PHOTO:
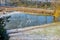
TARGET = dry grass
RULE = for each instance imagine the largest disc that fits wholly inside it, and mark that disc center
(31, 10)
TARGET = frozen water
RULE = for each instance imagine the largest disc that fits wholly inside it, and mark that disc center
(21, 20)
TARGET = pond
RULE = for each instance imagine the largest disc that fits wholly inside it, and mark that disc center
(22, 20)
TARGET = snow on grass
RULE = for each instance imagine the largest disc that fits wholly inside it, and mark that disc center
(10, 13)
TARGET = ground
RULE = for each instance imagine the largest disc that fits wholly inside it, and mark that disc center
(48, 28)
(43, 32)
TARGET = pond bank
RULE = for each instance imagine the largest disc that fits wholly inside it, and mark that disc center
(48, 32)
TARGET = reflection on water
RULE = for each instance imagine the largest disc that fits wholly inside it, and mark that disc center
(21, 20)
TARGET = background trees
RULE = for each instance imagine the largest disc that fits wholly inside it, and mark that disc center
(14, 2)
(31, 3)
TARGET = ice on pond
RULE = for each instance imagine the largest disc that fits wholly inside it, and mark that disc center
(21, 20)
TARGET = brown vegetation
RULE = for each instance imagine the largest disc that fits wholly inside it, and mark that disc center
(30, 10)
